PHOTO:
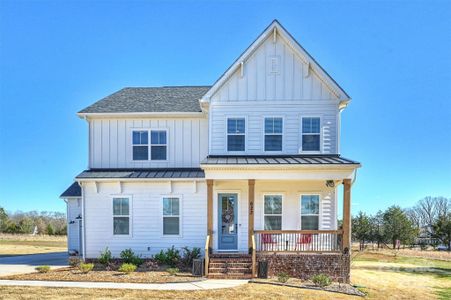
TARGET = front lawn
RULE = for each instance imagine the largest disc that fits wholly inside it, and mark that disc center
(22, 244)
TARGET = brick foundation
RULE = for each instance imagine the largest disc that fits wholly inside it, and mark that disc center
(304, 266)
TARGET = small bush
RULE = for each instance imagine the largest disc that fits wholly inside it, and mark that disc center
(105, 257)
(127, 268)
(188, 256)
(42, 269)
(129, 257)
(321, 280)
(151, 265)
(74, 261)
(85, 268)
(170, 257)
(283, 277)
(172, 271)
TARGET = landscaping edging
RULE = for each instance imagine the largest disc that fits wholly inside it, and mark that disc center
(355, 292)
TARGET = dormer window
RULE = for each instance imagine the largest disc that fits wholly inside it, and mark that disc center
(273, 134)
(311, 135)
(236, 134)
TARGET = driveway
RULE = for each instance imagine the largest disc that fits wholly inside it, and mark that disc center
(11, 265)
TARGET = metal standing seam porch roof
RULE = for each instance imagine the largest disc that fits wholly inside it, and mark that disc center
(323, 159)
(156, 173)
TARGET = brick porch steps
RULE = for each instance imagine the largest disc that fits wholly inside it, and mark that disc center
(230, 266)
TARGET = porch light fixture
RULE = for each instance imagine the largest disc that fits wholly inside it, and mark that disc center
(330, 183)
(78, 218)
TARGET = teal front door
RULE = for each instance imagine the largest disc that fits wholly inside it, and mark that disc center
(227, 221)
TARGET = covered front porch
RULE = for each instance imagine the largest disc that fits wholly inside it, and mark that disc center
(263, 211)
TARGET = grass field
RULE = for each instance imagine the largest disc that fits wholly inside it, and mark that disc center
(383, 275)
(11, 244)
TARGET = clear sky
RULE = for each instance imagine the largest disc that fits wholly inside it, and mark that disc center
(393, 58)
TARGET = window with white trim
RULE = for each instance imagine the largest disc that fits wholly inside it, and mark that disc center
(158, 145)
(171, 216)
(121, 216)
(311, 134)
(273, 212)
(309, 212)
(140, 144)
(236, 134)
(273, 134)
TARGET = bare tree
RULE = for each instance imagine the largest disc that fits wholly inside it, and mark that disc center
(427, 211)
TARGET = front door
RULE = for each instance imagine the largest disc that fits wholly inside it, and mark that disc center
(227, 221)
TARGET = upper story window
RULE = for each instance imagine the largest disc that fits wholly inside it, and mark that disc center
(273, 212)
(121, 216)
(156, 149)
(171, 216)
(236, 134)
(311, 134)
(140, 145)
(273, 134)
(158, 145)
(310, 212)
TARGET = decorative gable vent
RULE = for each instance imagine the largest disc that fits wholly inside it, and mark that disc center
(274, 64)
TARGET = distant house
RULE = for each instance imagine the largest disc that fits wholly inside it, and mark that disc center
(246, 169)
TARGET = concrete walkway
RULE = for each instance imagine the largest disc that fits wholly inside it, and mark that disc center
(20, 264)
(209, 284)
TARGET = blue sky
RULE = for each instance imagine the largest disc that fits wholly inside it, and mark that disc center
(393, 58)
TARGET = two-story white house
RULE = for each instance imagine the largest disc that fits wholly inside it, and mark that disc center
(246, 169)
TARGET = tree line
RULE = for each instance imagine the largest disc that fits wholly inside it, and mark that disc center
(51, 223)
(428, 222)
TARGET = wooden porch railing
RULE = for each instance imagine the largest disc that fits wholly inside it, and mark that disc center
(299, 240)
(207, 254)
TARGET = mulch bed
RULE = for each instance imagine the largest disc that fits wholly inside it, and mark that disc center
(335, 287)
(99, 274)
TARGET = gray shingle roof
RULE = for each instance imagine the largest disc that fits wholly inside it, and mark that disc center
(324, 159)
(73, 191)
(142, 173)
(150, 99)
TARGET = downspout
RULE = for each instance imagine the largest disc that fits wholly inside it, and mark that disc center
(83, 222)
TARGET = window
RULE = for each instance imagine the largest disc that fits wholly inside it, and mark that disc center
(121, 216)
(171, 216)
(273, 134)
(158, 145)
(310, 134)
(236, 134)
(309, 212)
(273, 212)
(140, 145)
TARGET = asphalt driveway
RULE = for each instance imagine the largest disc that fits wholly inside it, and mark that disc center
(19, 264)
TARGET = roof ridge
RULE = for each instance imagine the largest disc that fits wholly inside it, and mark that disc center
(166, 86)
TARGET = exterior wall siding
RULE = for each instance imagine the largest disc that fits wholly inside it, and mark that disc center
(111, 142)
(146, 234)
(73, 230)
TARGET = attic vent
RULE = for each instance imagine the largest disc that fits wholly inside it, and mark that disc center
(274, 64)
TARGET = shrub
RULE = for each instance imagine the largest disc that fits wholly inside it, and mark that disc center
(321, 280)
(127, 268)
(42, 269)
(170, 257)
(283, 277)
(105, 257)
(129, 257)
(85, 268)
(74, 261)
(172, 271)
(189, 255)
(151, 265)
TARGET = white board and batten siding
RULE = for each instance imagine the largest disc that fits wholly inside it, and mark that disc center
(146, 217)
(73, 225)
(289, 89)
(111, 142)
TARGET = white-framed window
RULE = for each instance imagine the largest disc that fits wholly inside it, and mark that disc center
(273, 133)
(272, 212)
(311, 134)
(310, 212)
(158, 145)
(149, 144)
(171, 215)
(236, 134)
(140, 141)
(121, 216)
